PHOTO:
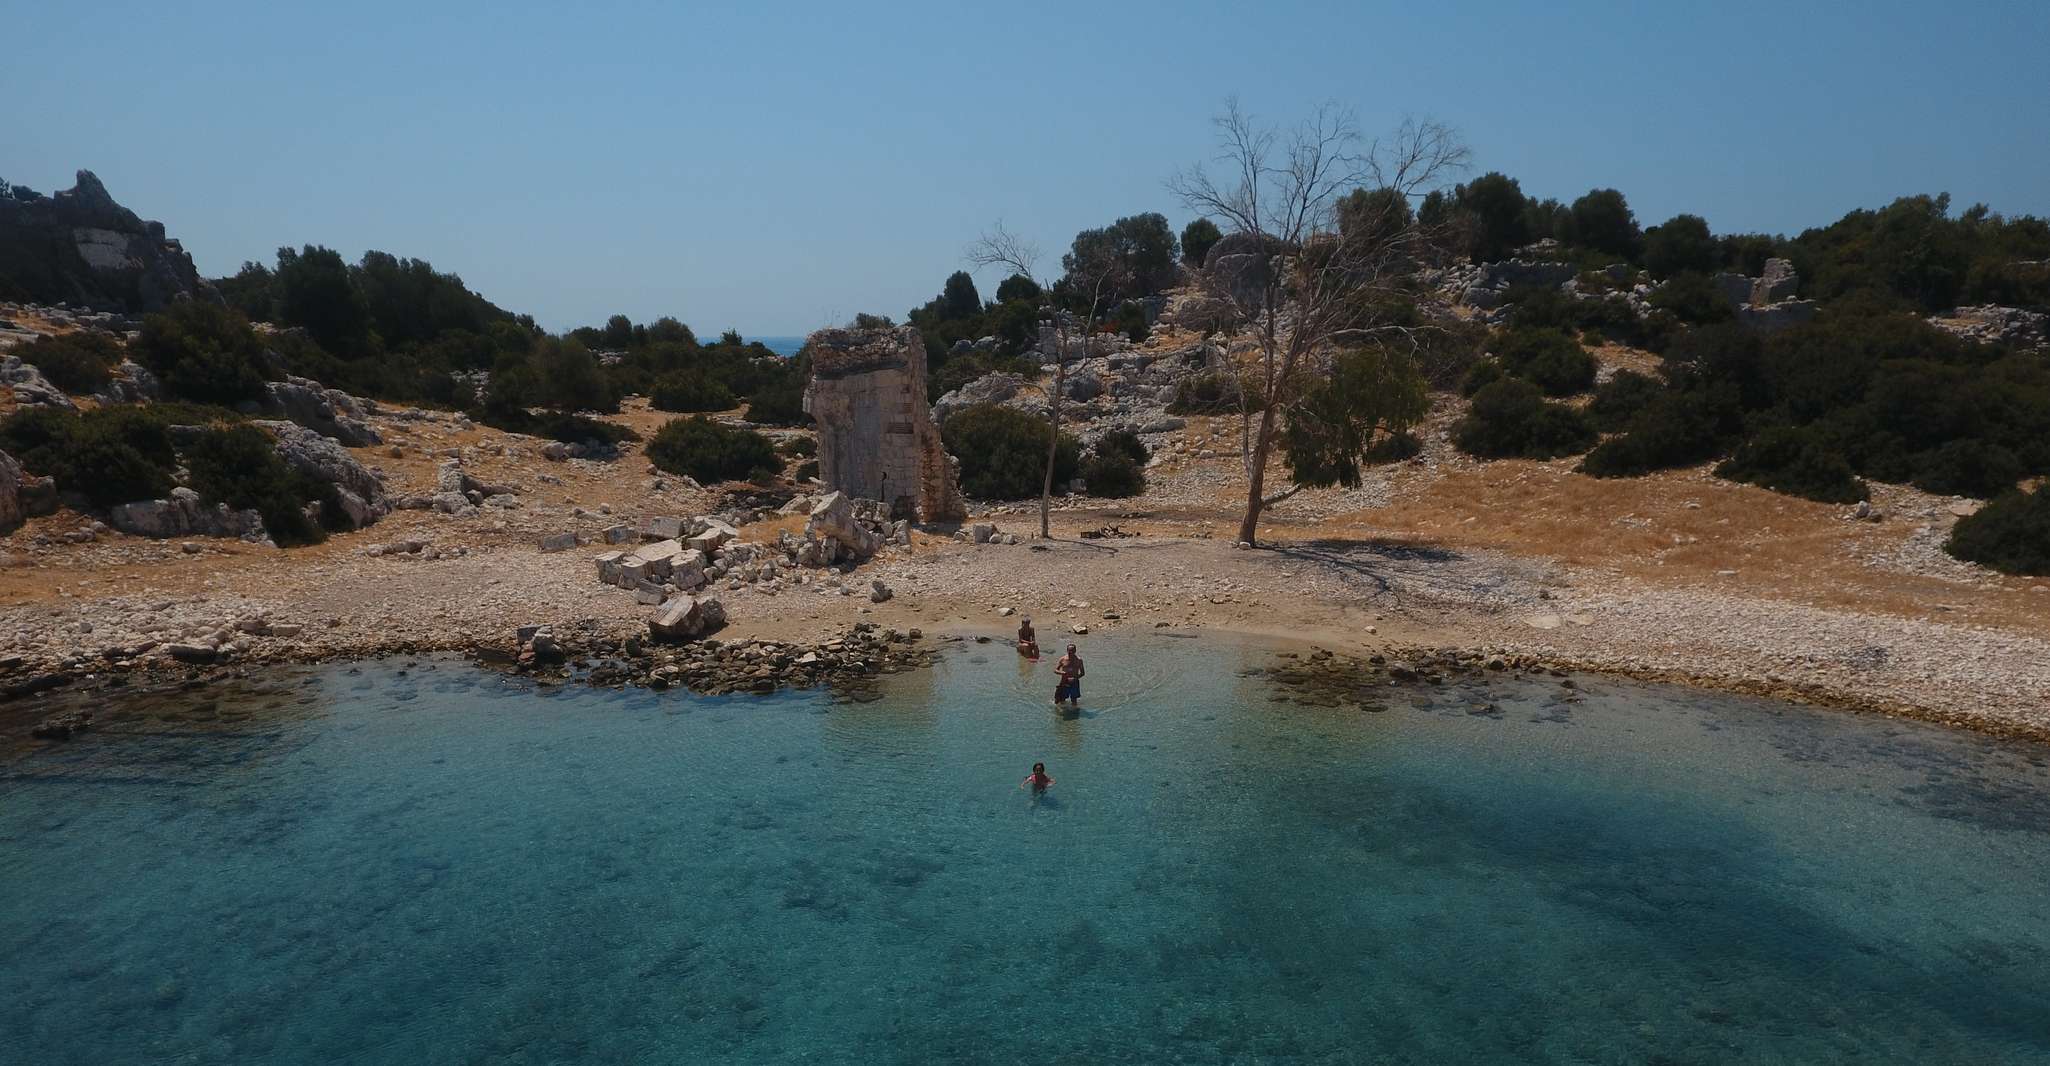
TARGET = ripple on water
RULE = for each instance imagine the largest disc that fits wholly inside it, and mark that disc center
(418, 862)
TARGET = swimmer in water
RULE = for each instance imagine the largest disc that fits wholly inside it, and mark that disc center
(1037, 781)
(1069, 668)
(1028, 641)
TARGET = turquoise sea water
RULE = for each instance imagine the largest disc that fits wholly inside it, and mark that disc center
(433, 864)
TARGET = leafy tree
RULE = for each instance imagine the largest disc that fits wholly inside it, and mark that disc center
(1141, 249)
(1680, 245)
(567, 377)
(1377, 215)
(204, 353)
(1020, 288)
(1694, 299)
(1197, 237)
(316, 292)
(687, 391)
(1495, 203)
(1601, 220)
(2010, 534)
(1319, 289)
(709, 452)
(668, 330)
(1369, 392)
(959, 299)
(1003, 452)
(1621, 397)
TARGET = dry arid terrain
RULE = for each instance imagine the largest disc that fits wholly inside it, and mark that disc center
(1678, 576)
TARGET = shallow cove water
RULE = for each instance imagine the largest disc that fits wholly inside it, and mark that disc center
(440, 865)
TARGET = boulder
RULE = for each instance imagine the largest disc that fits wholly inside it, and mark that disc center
(987, 389)
(132, 383)
(319, 456)
(662, 528)
(833, 518)
(686, 617)
(558, 542)
(1084, 386)
(308, 403)
(31, 388)
(183, 515)
(11, 510)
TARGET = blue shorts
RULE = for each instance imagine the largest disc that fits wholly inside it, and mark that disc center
(1068, 690)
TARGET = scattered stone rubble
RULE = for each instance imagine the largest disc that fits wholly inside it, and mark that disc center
(1991, 323)
(848, 663)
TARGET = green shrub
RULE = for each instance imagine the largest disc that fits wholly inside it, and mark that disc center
(239, 465)
(690, 391)
(1620, 397)
(779, 403)
(1113, 476)
(1694, 299)
(78, 363)
(1116, 466)
(1126, 443)
(1671, 429)
(1197, 237)
(1969, 467)
(1510, 419)
(1547, 358)
(1484, 373)
(1394, 448)
(110, 456)
(2010, 534)
(1003, 452)
(709, 451)
(1212, 392)
(799, 447)
(204, 353)
(1798, 462)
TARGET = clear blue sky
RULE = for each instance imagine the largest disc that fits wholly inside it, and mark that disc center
(780, 168)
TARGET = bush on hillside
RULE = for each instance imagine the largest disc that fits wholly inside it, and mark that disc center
(204, 353)
(78, 363)
(1621, 397)
(1394, 448)
(1003, 452)
(1971, 467)
(1547, 358)
(239, 465)
(1671, 429)
(2010, 534)
(1212, 392)
(690, 391)
(708, 451)
(1116, 466)
(110, 456)
(1510, 419)
(1694, 299)
(1798, 462)
(1481, 375)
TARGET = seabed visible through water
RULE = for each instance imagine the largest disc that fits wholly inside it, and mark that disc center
(430, 863)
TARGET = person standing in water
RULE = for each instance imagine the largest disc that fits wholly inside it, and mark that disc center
(1028, 641)
(1069, 668)
(1037, 780)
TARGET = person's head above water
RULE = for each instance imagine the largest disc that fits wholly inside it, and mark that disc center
(1039, 769)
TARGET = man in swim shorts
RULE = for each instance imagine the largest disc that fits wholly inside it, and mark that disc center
(1069, 668)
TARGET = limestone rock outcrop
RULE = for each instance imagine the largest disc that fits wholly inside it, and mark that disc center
(10, 493)
(360, 491)
(877, 440)
(184, 515)
(80, 247)
(329, 412)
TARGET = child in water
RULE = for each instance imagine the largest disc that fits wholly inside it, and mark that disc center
(1037, 781)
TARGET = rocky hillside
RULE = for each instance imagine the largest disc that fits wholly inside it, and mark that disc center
(79, 247)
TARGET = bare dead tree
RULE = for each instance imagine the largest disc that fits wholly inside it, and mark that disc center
(1304, 262)
(1094, 275)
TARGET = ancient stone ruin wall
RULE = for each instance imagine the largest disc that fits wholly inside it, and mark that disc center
(877, 440)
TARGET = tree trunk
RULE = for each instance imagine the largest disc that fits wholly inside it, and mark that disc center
(1256, 478)
(1053, 447)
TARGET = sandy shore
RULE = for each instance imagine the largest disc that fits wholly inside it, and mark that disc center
(1675, 577)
